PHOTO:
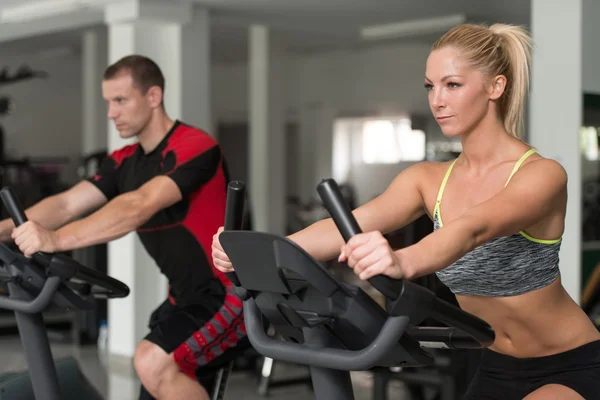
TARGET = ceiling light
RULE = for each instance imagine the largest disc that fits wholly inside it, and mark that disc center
(42, 9)
(411, 28)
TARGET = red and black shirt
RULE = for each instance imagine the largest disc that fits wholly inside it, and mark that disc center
(179, 237)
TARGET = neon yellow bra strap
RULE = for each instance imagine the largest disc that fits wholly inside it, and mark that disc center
(441, 192)
(518, 164)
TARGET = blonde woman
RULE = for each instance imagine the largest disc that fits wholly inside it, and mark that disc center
(498, 211)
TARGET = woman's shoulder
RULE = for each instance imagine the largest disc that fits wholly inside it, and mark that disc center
(425, 174)
(539, 168)
(433, 166)
(434, 169)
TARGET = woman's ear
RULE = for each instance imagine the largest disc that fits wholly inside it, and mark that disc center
(498, 86)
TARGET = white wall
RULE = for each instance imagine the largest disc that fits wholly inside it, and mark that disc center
(384, 80)
(229, 93)
(48, 118)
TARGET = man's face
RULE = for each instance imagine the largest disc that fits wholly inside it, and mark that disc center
(128, 107)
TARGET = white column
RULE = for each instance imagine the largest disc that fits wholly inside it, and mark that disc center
(316, 148)
(325, 118)
(591, 49)
(195, 72)
(555, 113)
(127, 259)
(163, 32)
(267, 131)
(93, 58)
(307, 140)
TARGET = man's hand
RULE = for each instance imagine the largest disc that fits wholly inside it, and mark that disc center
(31, 238)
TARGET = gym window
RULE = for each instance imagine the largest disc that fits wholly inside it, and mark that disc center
(589, 143)
(389, 141)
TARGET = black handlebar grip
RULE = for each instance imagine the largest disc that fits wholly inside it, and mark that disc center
(62, 266)
(339, 210)
(341, 214)
(17, 214)
(13, 207)
(234, 214)
(234, 211)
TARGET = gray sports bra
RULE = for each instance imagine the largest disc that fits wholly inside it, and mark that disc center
(504, 266)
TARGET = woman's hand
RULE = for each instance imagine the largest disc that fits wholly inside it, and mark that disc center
(370, 254)
(220, 259)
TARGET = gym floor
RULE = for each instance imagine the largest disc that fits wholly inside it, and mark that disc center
(118, 382)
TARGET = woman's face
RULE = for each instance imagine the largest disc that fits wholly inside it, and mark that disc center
(459, 95)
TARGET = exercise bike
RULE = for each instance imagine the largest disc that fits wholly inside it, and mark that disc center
(331, 326)
(54, 281)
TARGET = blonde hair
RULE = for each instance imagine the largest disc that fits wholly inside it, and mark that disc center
(499, 49)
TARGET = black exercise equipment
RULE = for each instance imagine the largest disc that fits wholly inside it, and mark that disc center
(450, 375)
(72, 382)
(7, 106)
(52, 281)
(23, 73)
(46, 281)
(331, 326)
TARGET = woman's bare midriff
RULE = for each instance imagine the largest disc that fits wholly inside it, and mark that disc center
(540, 323)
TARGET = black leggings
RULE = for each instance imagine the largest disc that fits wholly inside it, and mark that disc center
(504, 377)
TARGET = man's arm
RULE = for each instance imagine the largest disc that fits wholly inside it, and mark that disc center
(196, 159)
(194, 162)
(123, 214)
(57, 210)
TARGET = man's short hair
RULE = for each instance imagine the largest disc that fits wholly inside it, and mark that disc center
(144, 72)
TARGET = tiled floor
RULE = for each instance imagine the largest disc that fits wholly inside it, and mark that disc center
(118, 382)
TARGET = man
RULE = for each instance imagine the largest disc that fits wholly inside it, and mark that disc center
(170, 187)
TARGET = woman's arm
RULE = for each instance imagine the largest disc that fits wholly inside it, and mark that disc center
(536, 191)
(400, 204)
